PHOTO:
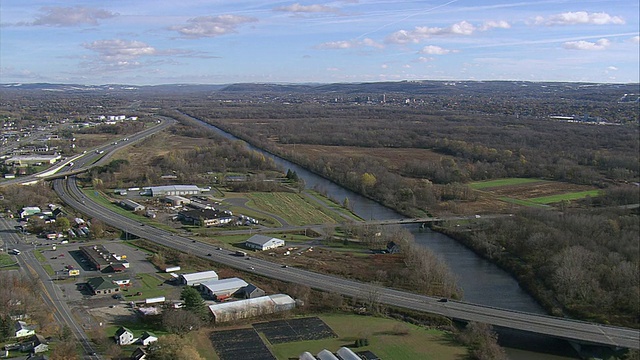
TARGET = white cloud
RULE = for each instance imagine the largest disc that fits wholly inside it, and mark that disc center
(579, 17)
(211, 26)
(350, 44)
(119, 54)
(587, 45)
(434, 50)
(425, 59)
(635, 39)
(488, 25)
(612, 68)
(69, 16)
(420, 33)
(314, 8)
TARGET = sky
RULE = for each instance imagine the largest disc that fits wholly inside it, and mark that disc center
(150, 42)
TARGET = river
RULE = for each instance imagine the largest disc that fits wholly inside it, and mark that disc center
(482, 282)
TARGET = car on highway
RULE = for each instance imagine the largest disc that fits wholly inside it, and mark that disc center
(251, 268)
(209, 254)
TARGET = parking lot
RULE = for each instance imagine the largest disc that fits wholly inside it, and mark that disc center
(69, 256)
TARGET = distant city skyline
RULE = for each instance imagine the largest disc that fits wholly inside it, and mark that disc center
(150, 42)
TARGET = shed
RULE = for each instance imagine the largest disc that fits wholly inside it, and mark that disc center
(262, 242)
(195, 279)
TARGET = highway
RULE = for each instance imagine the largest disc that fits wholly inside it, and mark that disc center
(583, 332)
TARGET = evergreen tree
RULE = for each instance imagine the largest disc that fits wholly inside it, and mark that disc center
(193, 302)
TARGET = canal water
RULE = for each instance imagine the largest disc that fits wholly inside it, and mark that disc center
(481, 281)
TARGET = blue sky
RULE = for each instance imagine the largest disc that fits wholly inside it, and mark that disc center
(145, 42)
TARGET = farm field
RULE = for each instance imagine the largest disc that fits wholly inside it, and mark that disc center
(532, 192)
(293, 208)
(387, 339)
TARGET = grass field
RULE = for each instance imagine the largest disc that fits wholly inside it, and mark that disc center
(384, 340)
(334, 206)
(293, 208)
(569, 196)
(501, 182)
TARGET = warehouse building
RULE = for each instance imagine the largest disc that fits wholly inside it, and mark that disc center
(262, 242)
(195, 279)
(131, 205)
(26, 160)
(174, 190)
(102, 259)
(243, 309)
(223, 288)
(176, 200)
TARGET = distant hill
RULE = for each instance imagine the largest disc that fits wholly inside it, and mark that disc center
(585, 91)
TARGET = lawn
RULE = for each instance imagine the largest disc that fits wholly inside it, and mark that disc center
(6, 262)
(569, 196)
(384, 340)
(502, 182)
(148, 285)
(293, 208)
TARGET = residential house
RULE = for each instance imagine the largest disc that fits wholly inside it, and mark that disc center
(123, 336)
(22, 329)
(139, 354)
(147, 338)
(36, 344)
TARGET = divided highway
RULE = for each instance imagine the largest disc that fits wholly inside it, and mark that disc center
(557, 327)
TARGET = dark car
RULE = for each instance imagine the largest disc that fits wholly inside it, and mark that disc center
(443, 300)
(209, 254)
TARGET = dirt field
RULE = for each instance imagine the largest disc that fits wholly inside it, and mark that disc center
(142, 154)
(537, 189)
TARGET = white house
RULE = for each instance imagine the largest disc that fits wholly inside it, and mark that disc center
(147, 338)
(23, 330)
(124, 336)
(261, 242)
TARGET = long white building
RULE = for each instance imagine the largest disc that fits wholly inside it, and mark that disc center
(243, 309)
